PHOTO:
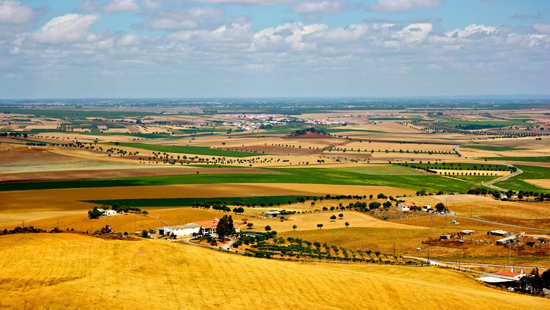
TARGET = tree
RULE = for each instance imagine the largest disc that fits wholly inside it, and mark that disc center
(546, 278)
(333, 217)
(341, 215)
(320, 226)
(347, 224)
(94, 214)
(440, 207)
(374, 205)
(144, 234)
(249, 225)
(267, 228)
(295, 226)
(370, 196)
(225, 227)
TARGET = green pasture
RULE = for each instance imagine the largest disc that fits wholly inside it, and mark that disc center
(196, 150)
(428, 182)
(185, 202)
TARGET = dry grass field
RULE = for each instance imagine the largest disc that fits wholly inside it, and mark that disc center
(42, 204)
(65, 271)
(545, 183)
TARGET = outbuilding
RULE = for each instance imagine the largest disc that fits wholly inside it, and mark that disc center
(499, 233)
(270, 214)
(179, 230)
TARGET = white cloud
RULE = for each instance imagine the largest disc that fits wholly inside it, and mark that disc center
(113, 6)
(129, 40)
(69, 28)
(471, 31)
(289, 34)
(392, 6)
(12, 12)
(233, 33)
(544, 28)
(415, 32)
(117, 6)
(324, 7)
(177, 19)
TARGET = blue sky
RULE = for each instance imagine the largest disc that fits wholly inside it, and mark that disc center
(273, 48)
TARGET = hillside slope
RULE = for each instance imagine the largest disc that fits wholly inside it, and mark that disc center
(67, 271)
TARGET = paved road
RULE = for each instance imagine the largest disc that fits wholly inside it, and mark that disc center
(458, 151)
(454, 264)
(504, 178)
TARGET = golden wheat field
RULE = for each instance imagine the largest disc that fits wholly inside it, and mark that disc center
(68, 271)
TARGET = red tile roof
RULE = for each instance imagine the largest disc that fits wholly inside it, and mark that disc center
(408, 203)
(508, 274)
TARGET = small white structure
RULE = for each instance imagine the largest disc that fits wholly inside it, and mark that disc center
(179, 230)
(426, 208)
(499, 233)
(270, 214)
(109, 212)
(405, 206)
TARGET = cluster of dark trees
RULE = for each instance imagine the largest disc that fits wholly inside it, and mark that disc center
(534, 283)
(22, 230)
(30, 230)
(301, 132)
(521, 194)
(13, 134)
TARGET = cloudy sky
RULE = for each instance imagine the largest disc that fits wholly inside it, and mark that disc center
(273, 48)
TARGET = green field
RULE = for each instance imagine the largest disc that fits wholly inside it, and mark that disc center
(185, 202)
(381, 170)
(491, 148)
(460, 166)
(541, 159)
(428, 182)
(529, 172)
(196, 150)
(476, 178)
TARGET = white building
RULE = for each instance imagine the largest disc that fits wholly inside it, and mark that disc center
(272, 214)
(109, 212)
(405, 206)
(179, 230)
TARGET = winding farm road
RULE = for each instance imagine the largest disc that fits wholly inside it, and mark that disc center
(504, 178)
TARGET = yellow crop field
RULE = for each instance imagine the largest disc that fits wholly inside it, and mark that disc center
(66, 271)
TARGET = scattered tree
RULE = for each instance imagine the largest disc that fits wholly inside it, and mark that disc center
(225, 226)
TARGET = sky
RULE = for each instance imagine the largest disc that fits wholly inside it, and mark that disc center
(273, 48)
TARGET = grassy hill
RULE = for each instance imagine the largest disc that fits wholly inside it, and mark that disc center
(67, 271)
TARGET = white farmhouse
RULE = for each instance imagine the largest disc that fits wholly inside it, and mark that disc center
(109, 212)
(179, 230)
(405, 206)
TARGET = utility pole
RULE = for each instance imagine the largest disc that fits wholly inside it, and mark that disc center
(432, 222)
(135, 222)
(394, 249)
(509, 253)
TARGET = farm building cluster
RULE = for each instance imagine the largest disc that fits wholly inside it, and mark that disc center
(205, 228)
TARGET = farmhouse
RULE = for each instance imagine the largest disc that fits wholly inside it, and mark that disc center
(209, 227)
(270, 214)
(509, 279)
(467, 232)
(109, 212)
(179, 230)
(406, 206)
